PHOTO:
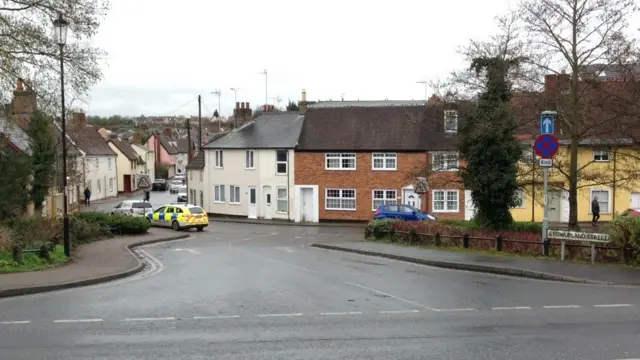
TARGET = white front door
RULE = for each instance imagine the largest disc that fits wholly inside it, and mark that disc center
(307, 205)
(266, 203)
(411, 198)
(469, 207)
(635, 200)
(252, 211)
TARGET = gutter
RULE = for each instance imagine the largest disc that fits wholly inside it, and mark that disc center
(288, 188)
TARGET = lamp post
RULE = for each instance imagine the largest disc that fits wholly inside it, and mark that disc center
(60, 26)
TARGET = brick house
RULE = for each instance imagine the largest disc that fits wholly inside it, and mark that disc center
(352, 157)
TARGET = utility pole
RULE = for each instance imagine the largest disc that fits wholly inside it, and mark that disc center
(266, 87)
(187, 126)
(426, 88)
(200, 122)
(218, 93)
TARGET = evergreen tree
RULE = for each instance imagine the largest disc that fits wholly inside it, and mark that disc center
(14, 177)
(489, 146)
(44, 148)
(292, 106)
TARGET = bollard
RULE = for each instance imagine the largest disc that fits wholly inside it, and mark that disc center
(16, 253)
(437, 239)
(465, 241)
(499, 243)
(44, 253)
(545, 247)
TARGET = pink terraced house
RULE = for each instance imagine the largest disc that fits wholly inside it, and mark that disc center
(165, 152)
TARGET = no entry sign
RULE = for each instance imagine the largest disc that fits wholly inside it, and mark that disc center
(546, 146)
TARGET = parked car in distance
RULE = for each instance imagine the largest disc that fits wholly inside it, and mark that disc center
(132, 208)
(182, 194)
(401, 212)
(631, 212)
(174, 186)
(159, 185)
(181, 178)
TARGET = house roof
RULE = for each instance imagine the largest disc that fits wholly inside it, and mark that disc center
(197, 163)
(272, 130)
(92, 143)
(144, 148)
(182, 145)
(167, 145)
(366, 103)
(6, 142)
(376, 128)
(126, 149)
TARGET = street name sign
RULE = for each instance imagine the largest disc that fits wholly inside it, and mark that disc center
(578, 236)
(545, 163)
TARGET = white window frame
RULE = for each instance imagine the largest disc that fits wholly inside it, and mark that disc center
(385, 199)
(219, 194)
(219, 162)
(451, 117)
(341, 197)
(446, 208)
(598, 155)
(385, 157)
(190, 174)
(285, 199)
(109, 162)
(249, 160)
(340, 156)
(99, 187)
(521, 194)
(285, 162)
(201, 175)
(446, 167)
(609, 202)
(234, 194)
(110, 185)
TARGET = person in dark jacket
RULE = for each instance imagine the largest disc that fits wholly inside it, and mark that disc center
(87, 196)
(595, 210)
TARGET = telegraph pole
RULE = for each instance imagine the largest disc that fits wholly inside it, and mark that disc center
(187, 126)
(426, 88)
(200, 122)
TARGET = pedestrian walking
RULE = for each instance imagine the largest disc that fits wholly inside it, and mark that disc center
(595, 210)
(87, 196)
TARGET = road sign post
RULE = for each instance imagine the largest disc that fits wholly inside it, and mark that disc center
(546, 146)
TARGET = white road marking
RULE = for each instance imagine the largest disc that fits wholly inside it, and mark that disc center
(193, 251)
(151, 319)
(512, 308)
(216, 317)
(399, 311)
(454, 309)
(285, 249)
(389, 295)
(342, 313)
(77, 321)
(16, 322)
(279, 315)
(561, 306)
(613, 305)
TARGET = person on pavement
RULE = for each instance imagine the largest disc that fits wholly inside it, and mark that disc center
(595, 210)
(87, 196)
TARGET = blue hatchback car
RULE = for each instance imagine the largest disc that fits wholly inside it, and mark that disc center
(401, 212)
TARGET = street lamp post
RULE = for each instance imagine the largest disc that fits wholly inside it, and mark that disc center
(60, 26)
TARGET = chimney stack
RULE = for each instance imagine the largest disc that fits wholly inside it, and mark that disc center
(79, 120)
(24, 101)
(303, 102)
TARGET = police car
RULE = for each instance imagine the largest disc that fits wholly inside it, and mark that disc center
(179, 217)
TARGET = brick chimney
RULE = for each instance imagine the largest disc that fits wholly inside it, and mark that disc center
(303, 102)
(79, 120)
(242, 113)
(24, 100)
(555, 82)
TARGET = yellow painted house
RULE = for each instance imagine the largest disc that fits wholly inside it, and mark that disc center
(608, 173)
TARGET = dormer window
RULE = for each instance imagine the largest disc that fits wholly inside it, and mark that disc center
(451, 121)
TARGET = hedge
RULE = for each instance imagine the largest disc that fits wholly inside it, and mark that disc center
(120, 224)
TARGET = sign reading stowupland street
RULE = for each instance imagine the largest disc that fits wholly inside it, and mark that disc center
(578, 236)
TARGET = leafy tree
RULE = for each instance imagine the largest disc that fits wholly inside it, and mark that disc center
(44, 150)
(292, 106)
(14, 177)
(216, 114)
(489, 146)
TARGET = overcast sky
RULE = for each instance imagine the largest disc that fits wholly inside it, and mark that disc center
(162, 53)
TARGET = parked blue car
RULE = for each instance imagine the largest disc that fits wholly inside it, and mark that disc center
(401, 212)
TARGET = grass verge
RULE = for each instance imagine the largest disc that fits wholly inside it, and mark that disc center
(32, 262)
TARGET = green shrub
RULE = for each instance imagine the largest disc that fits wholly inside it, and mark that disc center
(625, 231)
(93, 217)
(82, 231)
(33, 231)
(380, 228)
(121, 224)
(516, 226)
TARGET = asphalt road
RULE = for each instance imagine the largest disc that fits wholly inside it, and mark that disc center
(242, 291)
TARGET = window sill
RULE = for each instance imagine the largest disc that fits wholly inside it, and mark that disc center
(450, 170)
(329, 169)
(282, 212)
(249, 168)
(446, 211)
(281, 174)
(234, 203)
(219, 202)
(384, 169)
(339, 209)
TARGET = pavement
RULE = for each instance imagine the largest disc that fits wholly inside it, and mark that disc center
(237, 291)
(538, 268)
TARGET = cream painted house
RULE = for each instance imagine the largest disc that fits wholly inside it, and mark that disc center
(127, 165)
(249, 172)
(148, 156)
(196, 180)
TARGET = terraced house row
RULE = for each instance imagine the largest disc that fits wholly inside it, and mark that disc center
(341, 160)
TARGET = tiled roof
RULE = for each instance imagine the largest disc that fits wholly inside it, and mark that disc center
(377, 128)
(5, 142)
(183, 145)
(272, 130)
(366, 103)
(91, 142)
(167, 145)
(197, 162)
(126, 149)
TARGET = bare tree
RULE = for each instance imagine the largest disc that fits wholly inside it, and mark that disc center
(28, 50)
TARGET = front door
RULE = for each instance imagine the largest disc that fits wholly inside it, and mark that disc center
(266, 203)
(307, 205)
(555, 199)
(411, 198)
(252, 211)
(635, 200)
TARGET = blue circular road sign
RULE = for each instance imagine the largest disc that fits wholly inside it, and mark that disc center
(546, 146)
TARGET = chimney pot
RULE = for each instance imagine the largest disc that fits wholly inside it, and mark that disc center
(237, 105)
(304, 95)
(248, 107)
(20, 86)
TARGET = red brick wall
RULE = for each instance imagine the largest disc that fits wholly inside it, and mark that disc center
(309, 170)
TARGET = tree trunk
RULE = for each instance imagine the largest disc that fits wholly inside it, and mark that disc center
(573, 185)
